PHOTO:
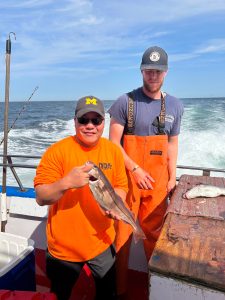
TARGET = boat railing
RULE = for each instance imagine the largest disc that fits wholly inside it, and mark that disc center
(205, 171)
(10, 164)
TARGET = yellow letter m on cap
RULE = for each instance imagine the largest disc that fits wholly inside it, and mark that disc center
(91, 101)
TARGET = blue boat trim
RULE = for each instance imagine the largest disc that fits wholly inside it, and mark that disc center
(15, 191)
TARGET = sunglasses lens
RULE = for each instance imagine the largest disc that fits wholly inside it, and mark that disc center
(97, 121)
(85, 121)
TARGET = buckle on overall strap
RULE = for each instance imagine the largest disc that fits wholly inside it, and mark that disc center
(159, 121)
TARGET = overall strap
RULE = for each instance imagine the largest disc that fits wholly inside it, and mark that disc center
(162, 114)
(159, 122)
(129, 128)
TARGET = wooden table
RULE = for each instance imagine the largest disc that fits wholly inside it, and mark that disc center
(191, 246)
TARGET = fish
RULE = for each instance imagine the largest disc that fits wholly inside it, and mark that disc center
(204, 190)
(109, 200)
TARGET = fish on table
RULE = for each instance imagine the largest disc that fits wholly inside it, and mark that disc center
(108, 200)
(204, 190)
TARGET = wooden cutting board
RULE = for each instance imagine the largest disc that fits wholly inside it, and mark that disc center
(191, 245)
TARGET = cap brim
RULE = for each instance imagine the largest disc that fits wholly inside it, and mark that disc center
(86, 110)
(148, 67)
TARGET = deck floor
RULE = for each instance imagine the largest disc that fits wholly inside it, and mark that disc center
(138, 286)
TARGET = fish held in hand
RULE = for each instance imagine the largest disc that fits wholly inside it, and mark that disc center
(204, 190)
(108, 200)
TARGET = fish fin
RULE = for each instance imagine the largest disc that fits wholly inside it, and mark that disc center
(139, 235)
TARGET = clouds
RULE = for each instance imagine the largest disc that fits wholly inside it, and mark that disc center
(214, 45)
(67, 38)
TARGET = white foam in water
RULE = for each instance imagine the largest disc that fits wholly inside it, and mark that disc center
(106, 129)
(38, 142)
(202, 147)
(201, 141)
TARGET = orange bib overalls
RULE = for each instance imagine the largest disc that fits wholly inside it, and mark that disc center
(149, 206)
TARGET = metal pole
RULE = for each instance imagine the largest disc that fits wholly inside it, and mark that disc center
(3, 203)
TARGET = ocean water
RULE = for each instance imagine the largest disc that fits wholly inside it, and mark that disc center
(39, 124)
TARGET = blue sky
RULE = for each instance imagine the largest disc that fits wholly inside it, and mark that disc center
(72, 48)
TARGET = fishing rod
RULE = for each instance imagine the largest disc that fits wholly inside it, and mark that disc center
(18, 115)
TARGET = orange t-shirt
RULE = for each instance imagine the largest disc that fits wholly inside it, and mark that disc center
(77, 230)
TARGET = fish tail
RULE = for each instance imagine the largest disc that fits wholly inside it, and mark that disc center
(139, 235)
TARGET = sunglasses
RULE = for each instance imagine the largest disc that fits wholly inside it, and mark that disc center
(94, 121)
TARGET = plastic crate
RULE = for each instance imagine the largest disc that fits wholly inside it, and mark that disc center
(17, 263)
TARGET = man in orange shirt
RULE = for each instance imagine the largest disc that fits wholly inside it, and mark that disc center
(77, 231)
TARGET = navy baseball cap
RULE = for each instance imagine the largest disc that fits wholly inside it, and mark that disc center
(154, 58)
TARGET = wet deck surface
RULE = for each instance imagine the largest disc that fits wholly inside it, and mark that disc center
(192, 242)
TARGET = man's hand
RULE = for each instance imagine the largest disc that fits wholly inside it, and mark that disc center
(143, 179)
(78, 176)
